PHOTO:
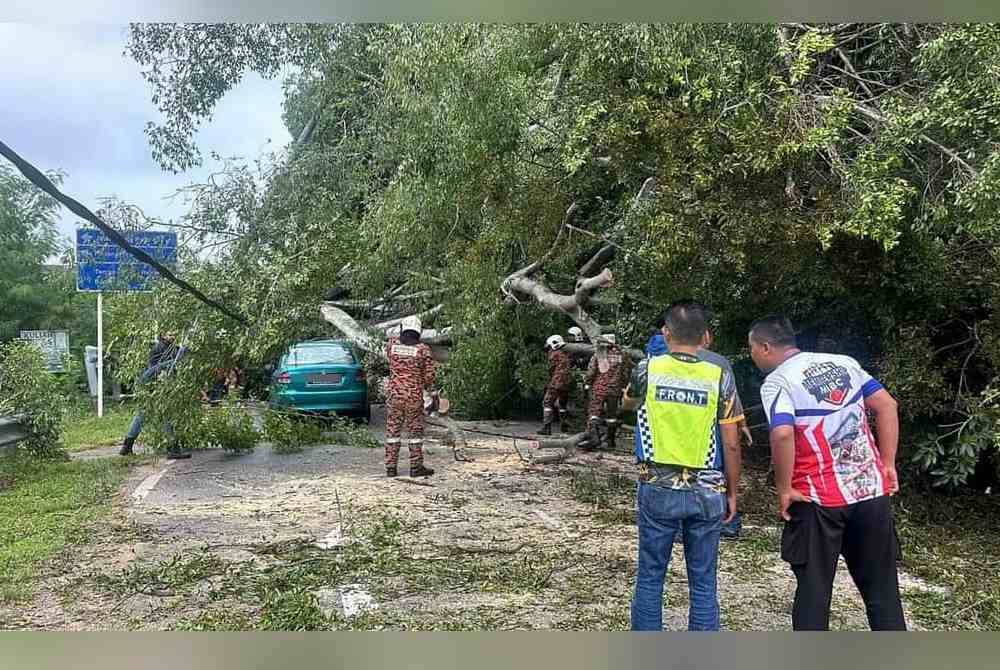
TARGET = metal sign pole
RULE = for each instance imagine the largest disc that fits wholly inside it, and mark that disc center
(101, 265)
(100, 355)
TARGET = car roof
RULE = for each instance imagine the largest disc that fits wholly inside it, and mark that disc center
(325, 342)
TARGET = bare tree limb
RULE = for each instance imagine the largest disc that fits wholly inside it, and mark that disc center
(351, 329)
(852, 71)
(307, 132)
(574, 306)
(426, 314)
(874, 115)
(567, 447)
(582, 349)
(597, 262)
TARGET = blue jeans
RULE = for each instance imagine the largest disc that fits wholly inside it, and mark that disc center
(135, 427)
(662, 513)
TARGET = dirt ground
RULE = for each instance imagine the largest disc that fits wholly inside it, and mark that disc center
(321, 539)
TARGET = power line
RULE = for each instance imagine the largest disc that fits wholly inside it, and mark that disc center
(35, 176)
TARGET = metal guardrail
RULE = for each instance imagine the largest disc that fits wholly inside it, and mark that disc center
(12, 430)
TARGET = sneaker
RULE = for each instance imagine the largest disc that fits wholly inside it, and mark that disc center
(731, 530)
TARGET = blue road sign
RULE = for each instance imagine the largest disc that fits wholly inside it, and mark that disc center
(104, 266)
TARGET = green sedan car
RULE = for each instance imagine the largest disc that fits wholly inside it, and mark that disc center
(321, 376)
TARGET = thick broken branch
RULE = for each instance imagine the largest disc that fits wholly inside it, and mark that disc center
(574, 306)
(585, 286)
(567, 447)
(351, 329)
(307, 132)
(597, 262)
(388, 302)
(367, 340)
(581, 349)
(549, 299)
(425, 315)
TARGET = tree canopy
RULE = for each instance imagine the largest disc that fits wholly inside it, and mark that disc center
(843, 174)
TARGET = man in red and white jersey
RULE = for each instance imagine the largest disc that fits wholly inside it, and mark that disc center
(834, 478)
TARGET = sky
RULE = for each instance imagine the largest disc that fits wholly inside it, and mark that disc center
(71, 101)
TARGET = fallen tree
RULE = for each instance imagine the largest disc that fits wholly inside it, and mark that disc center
(371, 339)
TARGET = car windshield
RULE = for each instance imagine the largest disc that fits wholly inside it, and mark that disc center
(319, 354)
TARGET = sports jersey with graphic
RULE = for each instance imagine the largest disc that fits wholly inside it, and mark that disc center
(822, 396)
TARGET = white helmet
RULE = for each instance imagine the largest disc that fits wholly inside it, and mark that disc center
(609, 338)
(555, 342)
(411, 323)
(576, 333)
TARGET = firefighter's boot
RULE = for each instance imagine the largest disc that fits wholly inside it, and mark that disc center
(546, 422)
(612, 433)
(417, 468)
(391, 456)
(593, 440)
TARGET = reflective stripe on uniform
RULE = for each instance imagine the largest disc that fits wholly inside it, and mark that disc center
(682, 405)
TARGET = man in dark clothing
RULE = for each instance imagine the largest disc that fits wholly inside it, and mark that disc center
(163, 356)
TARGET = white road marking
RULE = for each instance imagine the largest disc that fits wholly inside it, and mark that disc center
(148, 483)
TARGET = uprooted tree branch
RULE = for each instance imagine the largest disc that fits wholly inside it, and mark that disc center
(523, 284)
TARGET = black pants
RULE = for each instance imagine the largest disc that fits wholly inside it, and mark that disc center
(865, 534)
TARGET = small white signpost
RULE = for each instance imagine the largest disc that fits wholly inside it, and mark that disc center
(54, 345)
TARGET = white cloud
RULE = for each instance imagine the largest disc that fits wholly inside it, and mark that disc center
(73, 101)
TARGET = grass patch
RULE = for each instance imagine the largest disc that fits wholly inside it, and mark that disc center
(44, 507)
(612, 495)
(954, 542)
(83, 430)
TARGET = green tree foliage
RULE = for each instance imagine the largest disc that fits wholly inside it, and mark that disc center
(37, 277)
(845, 175)
(27, 239)
(229, 426)
(26, 388)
